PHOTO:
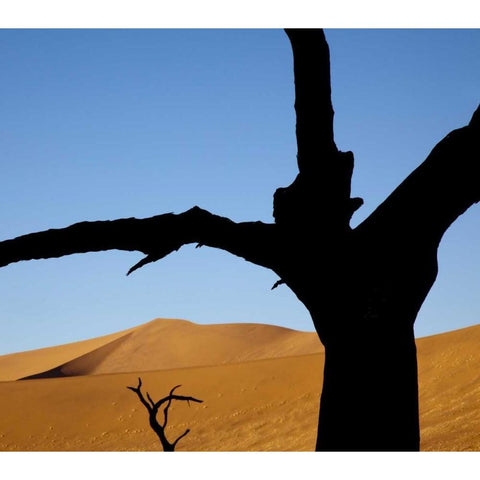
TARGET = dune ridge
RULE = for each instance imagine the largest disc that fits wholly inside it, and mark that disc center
(167, 344)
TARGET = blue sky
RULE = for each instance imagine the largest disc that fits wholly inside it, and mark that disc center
(104, 124)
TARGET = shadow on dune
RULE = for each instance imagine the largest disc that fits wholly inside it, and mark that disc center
(83, 365)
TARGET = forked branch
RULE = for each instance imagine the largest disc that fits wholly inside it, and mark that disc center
(139, 393)
(153, 408)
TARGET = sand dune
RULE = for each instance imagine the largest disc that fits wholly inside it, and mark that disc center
(17, 365)
(161, 344)
(249, 403)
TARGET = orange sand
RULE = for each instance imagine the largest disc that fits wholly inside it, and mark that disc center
(251, 402)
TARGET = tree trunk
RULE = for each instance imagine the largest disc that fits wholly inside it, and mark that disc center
(370, 396)
(158, 429)
(369, 400)
(364, 289)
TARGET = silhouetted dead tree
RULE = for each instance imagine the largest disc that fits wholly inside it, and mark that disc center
(363, 287)
(153, 407)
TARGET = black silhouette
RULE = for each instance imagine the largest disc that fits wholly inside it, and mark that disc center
(363, 287)
(152, 408)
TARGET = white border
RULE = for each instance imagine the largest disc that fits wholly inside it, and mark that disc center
(258, 466)
(238, 13)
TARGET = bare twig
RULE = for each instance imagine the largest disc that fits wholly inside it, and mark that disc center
(181, 436)
(153, 410)
(152, 403)
(138, 391)
(278, 283)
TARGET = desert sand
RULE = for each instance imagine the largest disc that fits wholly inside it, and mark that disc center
(260, 385)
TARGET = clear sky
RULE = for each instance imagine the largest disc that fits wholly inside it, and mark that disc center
(105, 124)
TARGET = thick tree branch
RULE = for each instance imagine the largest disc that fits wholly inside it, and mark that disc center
(313, 104)
(155, 236)
(321, 190)
(429, 200)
